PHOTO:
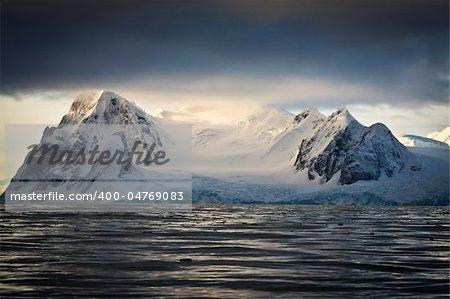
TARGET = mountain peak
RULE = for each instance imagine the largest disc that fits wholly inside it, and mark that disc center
(443, 136)
(342, 110)
(342, 115)
(85, 101)
(104, 107)
(307, 112)
(89, 98)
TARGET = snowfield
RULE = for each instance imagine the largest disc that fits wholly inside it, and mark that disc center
(429, 186)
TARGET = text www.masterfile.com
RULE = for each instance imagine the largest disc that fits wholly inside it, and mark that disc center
(99, 196)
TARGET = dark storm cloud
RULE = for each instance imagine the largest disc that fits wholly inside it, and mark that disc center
(390, 44)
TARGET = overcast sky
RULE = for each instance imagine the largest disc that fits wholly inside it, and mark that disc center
(386, 60)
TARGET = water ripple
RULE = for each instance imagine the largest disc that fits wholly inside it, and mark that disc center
(229, 252)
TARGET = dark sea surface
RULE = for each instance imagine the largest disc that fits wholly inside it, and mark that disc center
(231, 251)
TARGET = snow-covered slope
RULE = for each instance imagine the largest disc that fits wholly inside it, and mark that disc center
(343, 147)
(98, 121)
(261, 127)
(429, 186)
(239, 145)
(443, 136)
(420, 141)
(318, 159)
(302, 126)
(306, 149)
(265, 125)
(104, 107)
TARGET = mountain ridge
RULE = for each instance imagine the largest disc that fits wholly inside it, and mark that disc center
(442, 136)
(342, 145)
(309, 150)
(96, 122)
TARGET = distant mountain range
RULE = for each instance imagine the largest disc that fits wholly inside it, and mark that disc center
(420, 141)
(443, 136)
(270, 156)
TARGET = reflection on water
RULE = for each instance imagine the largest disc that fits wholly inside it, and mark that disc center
(236, 251)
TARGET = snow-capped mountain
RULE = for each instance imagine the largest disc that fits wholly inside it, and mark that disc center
(312, 145)
(420, 141)
(240, 143)
(320, 159)
(105, 107)
(443, 136)
(302, 126)
(96, 122)
(264, 125)
(344, 147)
(270, 155)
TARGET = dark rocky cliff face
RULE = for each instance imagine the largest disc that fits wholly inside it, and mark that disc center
(357, 152)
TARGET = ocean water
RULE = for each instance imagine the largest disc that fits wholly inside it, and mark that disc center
(230, 251)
